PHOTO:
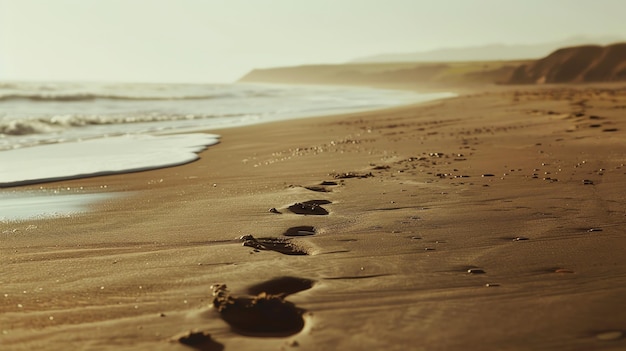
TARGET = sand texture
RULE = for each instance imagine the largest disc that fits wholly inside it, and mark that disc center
(491, 221)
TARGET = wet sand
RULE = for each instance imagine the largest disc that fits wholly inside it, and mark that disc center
(491, 221)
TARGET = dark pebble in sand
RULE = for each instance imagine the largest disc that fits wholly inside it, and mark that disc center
(328, 183)
(520, 238)
(594, 230)
(475, 271)
(199, 340)
(489, 285)
(488, 175)
(429, 249)
(587, 182)
(274, 210)
(610, 130)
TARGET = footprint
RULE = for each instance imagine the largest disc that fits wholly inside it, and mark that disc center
(198, 340)
(265, 314)
(310, 208)
(284, 246)
(349, 175)
(300, 231)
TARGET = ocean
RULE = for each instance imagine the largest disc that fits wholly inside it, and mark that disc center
(51, 131)
(55, 131)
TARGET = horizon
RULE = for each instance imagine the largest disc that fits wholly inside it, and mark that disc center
(195, 41)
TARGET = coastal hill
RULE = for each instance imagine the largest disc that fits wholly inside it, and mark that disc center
(580, 64)
(389, 74)
(490, 52)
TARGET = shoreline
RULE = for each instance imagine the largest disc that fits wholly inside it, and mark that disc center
(454, 224)
(138, 151)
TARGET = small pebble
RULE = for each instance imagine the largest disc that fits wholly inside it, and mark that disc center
(520, 238)
(594, 230)
(489, 285)
(273, 210)
(588, 182)
(487, 175)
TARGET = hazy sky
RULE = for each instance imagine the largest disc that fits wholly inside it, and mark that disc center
(220, 40)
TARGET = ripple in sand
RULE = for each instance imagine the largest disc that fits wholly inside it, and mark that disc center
(309, 208)
(475, 271)
(563, 270)
(261, 315)
(300, 231)
(319, 189)
(610, 335)
(284, 246)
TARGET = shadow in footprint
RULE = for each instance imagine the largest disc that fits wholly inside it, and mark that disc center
(199, 340)
(281, 286)
(267, 313)
(312, 207)
(284, 246)
(304, 230)
(319, 189)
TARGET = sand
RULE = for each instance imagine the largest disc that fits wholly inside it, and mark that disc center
(491, 221)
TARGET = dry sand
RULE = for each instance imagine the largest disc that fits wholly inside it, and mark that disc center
(491, 221)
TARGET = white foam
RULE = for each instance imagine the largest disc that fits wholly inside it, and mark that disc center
(23, 205)
(121, 154)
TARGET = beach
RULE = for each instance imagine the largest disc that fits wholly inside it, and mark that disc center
(489, 221)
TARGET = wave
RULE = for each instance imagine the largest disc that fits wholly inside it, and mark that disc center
(68, 97)
(138, 92)
(40, 125)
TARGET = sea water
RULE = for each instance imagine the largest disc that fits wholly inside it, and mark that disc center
(55, 131)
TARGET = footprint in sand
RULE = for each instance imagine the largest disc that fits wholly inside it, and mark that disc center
(266, 313)
(312, 207)
(284, 246)
(198, 340)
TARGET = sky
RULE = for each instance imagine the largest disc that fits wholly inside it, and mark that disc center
(211, 41)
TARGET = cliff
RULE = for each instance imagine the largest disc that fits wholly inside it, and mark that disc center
(580, 64)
